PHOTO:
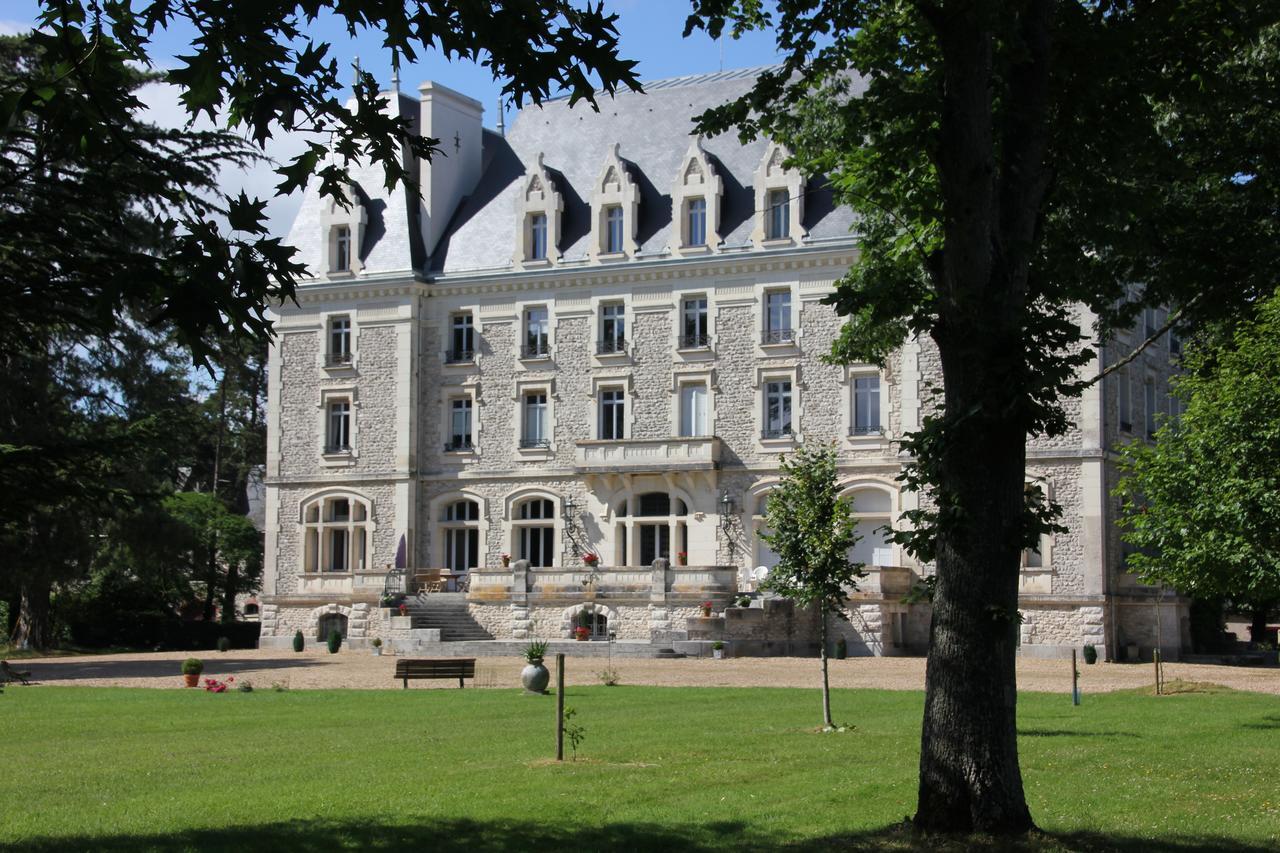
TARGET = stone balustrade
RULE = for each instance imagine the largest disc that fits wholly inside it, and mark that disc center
(665, 454)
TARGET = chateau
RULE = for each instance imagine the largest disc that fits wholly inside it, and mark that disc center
(597, 334)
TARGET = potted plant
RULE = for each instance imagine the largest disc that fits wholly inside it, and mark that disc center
(842, 648)
(744, 601)
(535, 676)
(191, 669)
(404, 609)
(706, 608)
(682, 558)
(298, 641)
(335, 641)
(506, 561)
(583, 629)
(591, 559)
(1090, 653)
(377, 646)
(717, 649)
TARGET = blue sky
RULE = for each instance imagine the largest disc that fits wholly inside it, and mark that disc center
(650, 33)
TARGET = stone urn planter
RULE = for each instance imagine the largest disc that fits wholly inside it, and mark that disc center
(581, 634)
(535, 676)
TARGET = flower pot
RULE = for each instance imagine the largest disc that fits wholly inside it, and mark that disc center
(377, 651)
(535, 677)
(718, 654)
(706, 612)
(191, 680)
(581, 634)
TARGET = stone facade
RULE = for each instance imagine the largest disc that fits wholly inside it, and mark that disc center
(396, 480)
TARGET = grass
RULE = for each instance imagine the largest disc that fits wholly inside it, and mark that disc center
(660, 768)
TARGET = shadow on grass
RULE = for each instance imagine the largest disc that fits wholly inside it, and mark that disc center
(1271, 721)
(502, 836)
(1066, 733)
(160, 668)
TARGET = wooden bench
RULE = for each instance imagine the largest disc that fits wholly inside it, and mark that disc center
(458, 668)
(8, 673)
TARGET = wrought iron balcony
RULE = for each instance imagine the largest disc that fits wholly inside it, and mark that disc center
(337, 448)
(778, 336)
(336, 359)
(539, 349)
(459, 356)
(866, 430)
(784, 432)
(611, 346)
(528, 443)
(695, 341)
(458, 443)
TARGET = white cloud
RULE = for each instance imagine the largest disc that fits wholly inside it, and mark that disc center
(14, 28)
(259, 180)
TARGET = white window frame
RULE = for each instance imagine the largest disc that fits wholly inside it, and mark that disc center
(764, 377)
(527, 353)
(461, 322)
(538, 236)
(848, 423)
(538, 196)
(612, 311)
(614, 187)
(689, 342)
(681, 378)
(771, 177)
(523, 389)
(784, 340)
(697, 179)
(312, 552)
(328, 397)
(618, 420)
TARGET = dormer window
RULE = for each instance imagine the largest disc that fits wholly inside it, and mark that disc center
(342, 249)
(613, 230)
(697, 222)
(538, 237)
(779, 215)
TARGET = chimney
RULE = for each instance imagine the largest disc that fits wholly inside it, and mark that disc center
(452, 173)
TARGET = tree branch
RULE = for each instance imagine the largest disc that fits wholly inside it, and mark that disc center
(1172, 321)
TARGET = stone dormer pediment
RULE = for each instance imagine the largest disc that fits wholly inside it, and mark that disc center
(779, 193)
(695, 203)
(614, 194)
(342, 224)
(539, 210)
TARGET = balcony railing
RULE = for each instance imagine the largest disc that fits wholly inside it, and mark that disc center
(662, 454)
(456, 444)
(336, 359)
(536, 350)
(528, 443)
(784, 432)
(611, 346)
(778, 336)
(459, 356)
(866, 430)
(694, 342)
(337, 448)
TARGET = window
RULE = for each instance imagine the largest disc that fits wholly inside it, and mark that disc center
(613, 229)
(612, 414)
(1126, 404)
(866, 406)
(534, 432)
(535, 532)
(342, 249)
(1150, 391)
(339, 341)
(336, 535)
(459, 424)
(693, 410)
(777, 409)
(777, 317)
(613, 329)
(538, 237)
(459, 524)
(697, 222)
(872, 512)
(1150, 321)
(338, 439)
(779, 215)
(694, 331)
(650, 526)
(1175, 342)
(537, 343)
(328, 623)
(462, 339)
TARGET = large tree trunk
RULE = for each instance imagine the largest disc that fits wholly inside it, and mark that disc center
(229, 591)
(1258, 625)
(32, 630)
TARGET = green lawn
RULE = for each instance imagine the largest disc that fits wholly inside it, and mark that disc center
(661, 768)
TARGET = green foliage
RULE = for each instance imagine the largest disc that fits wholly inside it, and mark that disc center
(609, 677)
(224, 644)
(1090, 653)
(377, 642)
(1201, 505)
(298, 641)
(335, 641)
(192, 666)
(244, 687)
(535, 651)
(718, 645)
(583, 619)
(811, 529)
(573, 732)
(842, 648)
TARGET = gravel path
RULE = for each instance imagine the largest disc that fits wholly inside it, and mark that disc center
(310, 670)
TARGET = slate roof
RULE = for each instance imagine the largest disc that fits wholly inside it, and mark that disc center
(653, 130)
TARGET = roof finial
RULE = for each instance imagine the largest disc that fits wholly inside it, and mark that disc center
(502, 120)
(355, 77)
(395, 71)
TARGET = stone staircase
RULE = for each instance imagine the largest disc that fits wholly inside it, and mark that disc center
(447, 612)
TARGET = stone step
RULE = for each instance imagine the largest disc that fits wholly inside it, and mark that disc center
(515, 648)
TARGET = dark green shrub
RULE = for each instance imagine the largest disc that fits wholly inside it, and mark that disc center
(1090, 653)
(842, 648)
(335, 641)
(224, 644)
(192, 666)
(298, 642)
(584, 619)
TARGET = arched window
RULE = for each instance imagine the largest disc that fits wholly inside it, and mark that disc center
(647, 527)
(460, 525)
(535, 532)
(336, 534)
(251, 609)
(873, 512)
(328, 622)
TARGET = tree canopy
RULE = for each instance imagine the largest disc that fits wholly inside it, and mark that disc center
(1202, 503)
(1026, 174)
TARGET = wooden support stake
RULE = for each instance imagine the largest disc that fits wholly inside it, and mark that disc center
(1155, 657)
(560, 707)
(1075, 680)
